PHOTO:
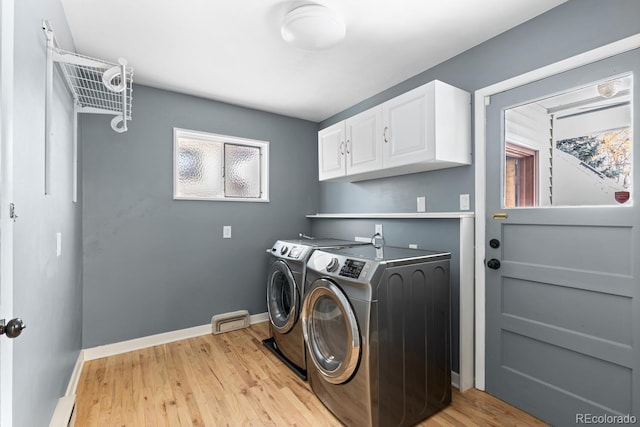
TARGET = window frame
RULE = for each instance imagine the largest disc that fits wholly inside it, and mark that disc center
(223, 139)
(526, 180)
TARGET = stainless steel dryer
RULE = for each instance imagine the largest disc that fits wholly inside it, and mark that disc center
(376, 325)
(285, 290)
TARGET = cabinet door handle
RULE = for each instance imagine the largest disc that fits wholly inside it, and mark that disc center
(384, 134)
(348, 144)
(342, 148)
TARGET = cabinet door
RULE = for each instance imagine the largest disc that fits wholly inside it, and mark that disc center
(364, 141)
(331, 150)
(407, 120)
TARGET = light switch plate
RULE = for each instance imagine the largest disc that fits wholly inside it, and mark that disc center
(226, 232)
(421, 204)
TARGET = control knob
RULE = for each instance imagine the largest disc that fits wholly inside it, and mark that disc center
(284, 250)
(333, 265)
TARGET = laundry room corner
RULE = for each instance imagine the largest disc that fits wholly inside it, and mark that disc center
(153, 264)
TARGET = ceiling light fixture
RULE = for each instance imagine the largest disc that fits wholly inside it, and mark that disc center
(609, 89)
(313, 27)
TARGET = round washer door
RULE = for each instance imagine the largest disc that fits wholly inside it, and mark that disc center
(331, 331)
(282, 297)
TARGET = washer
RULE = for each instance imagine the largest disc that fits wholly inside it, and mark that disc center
(376, 325)
(285, 291)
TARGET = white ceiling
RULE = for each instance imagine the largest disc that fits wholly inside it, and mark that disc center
(232, 50)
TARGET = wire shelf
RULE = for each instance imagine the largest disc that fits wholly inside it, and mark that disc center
(97, 85)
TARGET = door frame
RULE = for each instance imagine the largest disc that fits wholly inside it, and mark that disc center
(6, 196)
(481, 100)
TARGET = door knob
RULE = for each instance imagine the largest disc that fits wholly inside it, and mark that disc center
(494, 243)
(493, 264)
(13, 328)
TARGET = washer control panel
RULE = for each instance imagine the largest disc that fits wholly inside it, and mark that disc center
(289, 250)
(352, 268)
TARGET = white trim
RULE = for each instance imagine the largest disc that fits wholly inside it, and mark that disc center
(63, 412)
(481, 99)
(466, 301)
(158, 339)
(420, 215)
(7, 49)
(144, 342)
(455, 380)
(75, 375)
(259, 318)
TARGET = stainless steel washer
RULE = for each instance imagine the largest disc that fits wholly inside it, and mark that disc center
(376, 325)
(285, 291)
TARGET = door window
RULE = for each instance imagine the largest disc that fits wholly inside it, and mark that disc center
(570, 149)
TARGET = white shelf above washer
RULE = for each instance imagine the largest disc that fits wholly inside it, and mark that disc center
(410, 215)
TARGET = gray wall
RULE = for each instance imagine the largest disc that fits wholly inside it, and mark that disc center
(152, 264)
(571, 28)
(47, 288)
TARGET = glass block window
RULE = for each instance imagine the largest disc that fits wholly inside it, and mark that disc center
(208, 166)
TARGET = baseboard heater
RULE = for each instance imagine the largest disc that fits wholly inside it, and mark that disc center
(270, 343)
(232, 321)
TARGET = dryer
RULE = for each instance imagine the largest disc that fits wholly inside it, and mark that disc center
(285, 290)
(376, 326)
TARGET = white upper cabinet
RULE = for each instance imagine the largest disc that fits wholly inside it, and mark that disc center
(331, 149)
(364, 142)
(424, 129)
(408, 119)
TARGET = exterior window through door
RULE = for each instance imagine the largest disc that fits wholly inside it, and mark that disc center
(520, 176)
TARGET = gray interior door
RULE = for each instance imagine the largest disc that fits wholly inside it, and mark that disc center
(562, 281)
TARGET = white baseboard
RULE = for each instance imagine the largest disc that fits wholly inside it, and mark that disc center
(455, 379)
(63, 413)
(259, 318)
(158, 339)
(144, 342)
(75, 375)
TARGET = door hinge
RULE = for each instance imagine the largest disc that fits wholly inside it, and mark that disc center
(12, 212)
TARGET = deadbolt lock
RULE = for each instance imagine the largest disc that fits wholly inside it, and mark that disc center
(493, 264)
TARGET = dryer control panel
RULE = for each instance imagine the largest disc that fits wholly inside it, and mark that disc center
(352, 268)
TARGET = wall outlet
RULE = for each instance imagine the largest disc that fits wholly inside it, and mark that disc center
(464, 202)
(413, 246)
(226, 232)
(422, 204)
(378, 229)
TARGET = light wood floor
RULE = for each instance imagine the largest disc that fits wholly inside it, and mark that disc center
(232, 380)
